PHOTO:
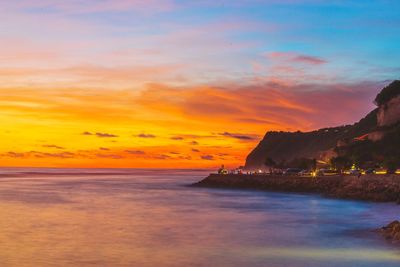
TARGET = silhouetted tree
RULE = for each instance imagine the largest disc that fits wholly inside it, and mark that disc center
(387, 93)
(314, 164)
(391, 164)
(269, 162)
(341, 162)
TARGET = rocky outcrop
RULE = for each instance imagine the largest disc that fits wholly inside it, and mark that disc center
(389, 113)
(287, 146)
(392, 231)
(368, 187)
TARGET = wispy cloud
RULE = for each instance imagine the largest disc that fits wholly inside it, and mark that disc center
(143, 135)
(245, 137)
(177, 138)
(106, 135)
(101, 135)
(53, 146)
(296, 58)
(207, 157)
(93, 6)
(14, 154)
(109, 156)
(275, 105)
(135, 152)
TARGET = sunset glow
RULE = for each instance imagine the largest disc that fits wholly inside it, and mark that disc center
(183, 84)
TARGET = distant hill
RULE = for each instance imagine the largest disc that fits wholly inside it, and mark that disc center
(365, 142)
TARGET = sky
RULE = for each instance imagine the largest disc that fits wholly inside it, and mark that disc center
(183, 84)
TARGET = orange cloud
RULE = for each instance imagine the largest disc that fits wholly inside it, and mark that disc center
(296, 58)
(198, 126)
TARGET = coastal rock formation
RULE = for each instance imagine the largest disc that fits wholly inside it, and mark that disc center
(392, 231)
(389, 113)
(369, 187)
(287, 146)
(380, 127)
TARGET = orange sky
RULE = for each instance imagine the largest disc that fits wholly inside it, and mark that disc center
(177, 84)
(157, 125)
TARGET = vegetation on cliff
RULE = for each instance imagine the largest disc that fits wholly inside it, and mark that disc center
(373, 154)
(387, 93)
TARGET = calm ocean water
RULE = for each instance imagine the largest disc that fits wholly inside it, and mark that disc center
(108, 217)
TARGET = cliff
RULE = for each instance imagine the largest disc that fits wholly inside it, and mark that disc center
(377, 129)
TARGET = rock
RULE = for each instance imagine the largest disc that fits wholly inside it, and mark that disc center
(393, 224)
(391, 231)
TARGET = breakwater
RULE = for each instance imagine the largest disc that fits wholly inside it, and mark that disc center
(379, 188)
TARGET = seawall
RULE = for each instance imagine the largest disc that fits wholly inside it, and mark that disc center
(379, 188)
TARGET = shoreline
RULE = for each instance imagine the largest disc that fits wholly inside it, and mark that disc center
(376, 188)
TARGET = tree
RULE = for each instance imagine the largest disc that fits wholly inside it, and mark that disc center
(314, 164)
(391, 164)
(341, 162)
(387, 93)
(269, 162)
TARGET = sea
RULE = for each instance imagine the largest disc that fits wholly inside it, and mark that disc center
(153, 217)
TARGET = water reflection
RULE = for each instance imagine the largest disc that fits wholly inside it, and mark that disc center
(148, 218)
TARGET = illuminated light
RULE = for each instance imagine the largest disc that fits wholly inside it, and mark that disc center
(397, 171)
(381, 172)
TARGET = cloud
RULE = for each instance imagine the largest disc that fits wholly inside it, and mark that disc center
(194, 143)
(245, 137)
(104, 148)
(309, 60)
(296, 58)
(62, 155)
(142, 135)
(106, 135)
(53, 146)
(195, 150)
(39, 154)
(101, 135)
(177, 138)
(162, 156)
(268, 106)
(109, 156)
(74, 7)
(185, 157)
(13, 154)
(207, 157)
(135, 152)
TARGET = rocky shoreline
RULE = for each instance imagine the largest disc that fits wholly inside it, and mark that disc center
(392, 232)
(377, 188)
